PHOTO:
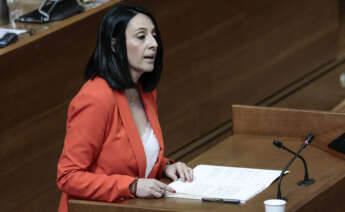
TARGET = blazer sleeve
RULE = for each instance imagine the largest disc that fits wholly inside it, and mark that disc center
(86, 130)
(164, 162)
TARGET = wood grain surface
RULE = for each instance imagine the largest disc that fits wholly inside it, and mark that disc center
(290, 123)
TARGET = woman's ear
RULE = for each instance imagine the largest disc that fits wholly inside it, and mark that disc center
(113, 41)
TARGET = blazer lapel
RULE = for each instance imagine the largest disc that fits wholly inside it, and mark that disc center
(132, 132)
(151, 113)
(152, 116)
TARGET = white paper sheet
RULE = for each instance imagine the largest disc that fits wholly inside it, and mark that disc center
(224, 182)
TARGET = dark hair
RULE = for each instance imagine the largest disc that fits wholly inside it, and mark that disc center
(113, 66)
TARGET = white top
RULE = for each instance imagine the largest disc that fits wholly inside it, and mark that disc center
(151, 147)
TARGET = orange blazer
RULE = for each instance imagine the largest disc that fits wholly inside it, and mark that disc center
(103, 152)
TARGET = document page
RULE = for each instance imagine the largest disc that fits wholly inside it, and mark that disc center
(224, 182)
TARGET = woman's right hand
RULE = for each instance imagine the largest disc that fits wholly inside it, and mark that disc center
(152, 188)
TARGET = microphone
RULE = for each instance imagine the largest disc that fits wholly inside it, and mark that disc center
(307, 181)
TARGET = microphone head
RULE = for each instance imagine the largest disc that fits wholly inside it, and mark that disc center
(309, 138)
(278, 144)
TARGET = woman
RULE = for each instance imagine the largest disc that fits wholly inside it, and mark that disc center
(114, 146)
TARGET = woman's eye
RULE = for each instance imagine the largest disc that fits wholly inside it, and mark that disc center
(141, 37)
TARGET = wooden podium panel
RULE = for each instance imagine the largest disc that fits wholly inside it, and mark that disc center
(257, 151)
(326, 126)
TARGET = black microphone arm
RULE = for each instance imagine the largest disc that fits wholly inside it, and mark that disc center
(308, 181)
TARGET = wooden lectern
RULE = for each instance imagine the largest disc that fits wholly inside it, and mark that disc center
(250, 146)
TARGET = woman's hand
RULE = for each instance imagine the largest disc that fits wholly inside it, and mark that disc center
(179, 170)
(151, 188)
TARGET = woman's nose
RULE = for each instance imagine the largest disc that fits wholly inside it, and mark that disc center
(152, 42)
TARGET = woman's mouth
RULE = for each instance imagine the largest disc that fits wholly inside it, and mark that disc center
(149, 58)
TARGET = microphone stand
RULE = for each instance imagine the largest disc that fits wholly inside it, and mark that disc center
(306, 142)
(306, 181)
(279, 195)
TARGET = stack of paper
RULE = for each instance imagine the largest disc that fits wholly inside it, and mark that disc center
(224, 183)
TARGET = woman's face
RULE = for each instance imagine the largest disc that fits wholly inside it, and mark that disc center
(141, 45)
